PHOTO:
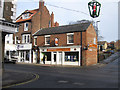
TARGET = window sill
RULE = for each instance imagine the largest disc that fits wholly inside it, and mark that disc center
(70, 43)
(47, 44)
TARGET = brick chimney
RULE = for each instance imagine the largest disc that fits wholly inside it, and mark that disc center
(56, 24)
(52, 20)
(41, 4)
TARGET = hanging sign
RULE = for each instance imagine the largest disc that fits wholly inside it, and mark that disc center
(94, 8)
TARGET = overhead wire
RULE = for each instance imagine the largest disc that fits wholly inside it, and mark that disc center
(67, 9)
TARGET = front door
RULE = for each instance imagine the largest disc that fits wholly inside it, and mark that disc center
(60, 58)
(54, 57)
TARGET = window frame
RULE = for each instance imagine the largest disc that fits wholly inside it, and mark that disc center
(46, 36)
(26, 27)
(68, 34)
(35, 41)
(23, 38)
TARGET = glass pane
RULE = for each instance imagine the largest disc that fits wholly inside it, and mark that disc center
(70, 38)
(47, 40)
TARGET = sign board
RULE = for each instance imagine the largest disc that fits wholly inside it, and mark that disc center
(56, 41)
(58, 49)
(24, 46)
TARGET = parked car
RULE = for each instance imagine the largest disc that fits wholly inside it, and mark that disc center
(6, 60)
(110, 51)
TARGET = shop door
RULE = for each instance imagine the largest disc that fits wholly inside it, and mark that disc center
(60, 58)
(54, 57)
(22, 56)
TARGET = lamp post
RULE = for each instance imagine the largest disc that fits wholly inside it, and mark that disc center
(97, 38)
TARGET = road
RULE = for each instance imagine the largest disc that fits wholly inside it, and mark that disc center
(100, 76)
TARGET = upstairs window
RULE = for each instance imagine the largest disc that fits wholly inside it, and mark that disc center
(70, 38)
(25, 26)
(35, 41)
(25, 16)
(47, 40)
(16, 39)
(26, 38)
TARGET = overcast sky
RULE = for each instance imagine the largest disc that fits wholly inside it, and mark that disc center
(108, 18)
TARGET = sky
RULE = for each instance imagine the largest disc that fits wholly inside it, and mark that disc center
(108, 25)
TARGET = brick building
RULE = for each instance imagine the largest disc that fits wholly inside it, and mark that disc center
(9, 14)
(117, 45)
(67, 45)
(30, 21)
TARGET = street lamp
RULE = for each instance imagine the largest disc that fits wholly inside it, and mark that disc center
(97, 38)
(94, 8)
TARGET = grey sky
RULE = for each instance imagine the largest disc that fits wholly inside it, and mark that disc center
(108, 24)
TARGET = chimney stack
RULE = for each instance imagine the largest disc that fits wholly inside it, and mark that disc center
(41, 4)
(52, 20)
(56, 24)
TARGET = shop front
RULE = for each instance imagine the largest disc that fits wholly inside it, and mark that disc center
(24, 53)
(68, 55)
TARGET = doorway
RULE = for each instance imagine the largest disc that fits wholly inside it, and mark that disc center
(54, 57)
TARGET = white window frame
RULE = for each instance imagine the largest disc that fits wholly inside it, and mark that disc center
(23, 38)
(35, 44)
(45, 39)
(26, 28)
(68, 38)
(16, 41)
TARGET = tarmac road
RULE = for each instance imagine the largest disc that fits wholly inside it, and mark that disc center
(97, 76)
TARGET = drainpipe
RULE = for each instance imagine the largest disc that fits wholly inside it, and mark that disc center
(81, 50)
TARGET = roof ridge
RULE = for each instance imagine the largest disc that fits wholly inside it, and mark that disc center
(69, 25)
(63, 29)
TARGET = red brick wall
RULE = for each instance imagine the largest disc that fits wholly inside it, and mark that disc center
(35, 23)
(21, 30)
(88, 57)
(62, 40)
(91, 53)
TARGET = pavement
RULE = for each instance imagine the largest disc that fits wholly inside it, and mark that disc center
(111, 58)
(10, 77)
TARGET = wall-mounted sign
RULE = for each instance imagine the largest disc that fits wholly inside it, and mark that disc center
(24, 46)
(56, 41)
(58, 49)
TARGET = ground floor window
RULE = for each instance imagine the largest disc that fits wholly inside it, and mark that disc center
(72, 56)
(47, 55)
(27, 55)
(24, 55)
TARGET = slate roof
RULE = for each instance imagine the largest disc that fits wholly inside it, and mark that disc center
(63, 29)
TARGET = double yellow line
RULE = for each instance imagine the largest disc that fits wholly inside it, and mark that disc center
(36, 78)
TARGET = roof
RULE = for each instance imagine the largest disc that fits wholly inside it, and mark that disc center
(102, 42)
(63, 29)
(33, 12)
